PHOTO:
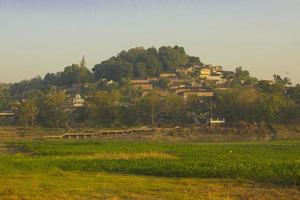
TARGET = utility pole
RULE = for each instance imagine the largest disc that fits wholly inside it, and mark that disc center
(152, 115)
(211, 108)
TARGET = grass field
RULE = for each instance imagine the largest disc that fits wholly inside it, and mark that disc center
(105, 169)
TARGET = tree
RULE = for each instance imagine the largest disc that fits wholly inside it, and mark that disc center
(171, 58)
(52, 106)
(27, 87)
(113, 70)
(173, 109)
(150, 107)
(82, 63)
(194, 61)
(294, 93)
(4, 96)
(249, 104)
(75, 74)
(198, 107)
(163, 83)
(103, 108)
(27, 112)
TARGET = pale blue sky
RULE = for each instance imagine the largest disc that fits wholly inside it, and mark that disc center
(39, 36)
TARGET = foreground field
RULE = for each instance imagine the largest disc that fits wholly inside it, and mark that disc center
(273, 162)
(77, 185)
(106, 169)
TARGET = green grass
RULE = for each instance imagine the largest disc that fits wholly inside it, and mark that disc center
(274, 162)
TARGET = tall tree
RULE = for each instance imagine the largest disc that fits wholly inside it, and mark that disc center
(27, 112)
(103, 108)
(82, 63)
(52, 106)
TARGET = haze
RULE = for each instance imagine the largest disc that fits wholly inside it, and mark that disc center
(40, 36)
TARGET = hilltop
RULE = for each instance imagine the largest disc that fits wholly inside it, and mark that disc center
(143, 87)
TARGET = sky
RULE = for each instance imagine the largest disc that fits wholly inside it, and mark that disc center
(40, 36)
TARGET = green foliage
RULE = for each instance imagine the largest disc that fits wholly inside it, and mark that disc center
(279, 85)
(194, 61)
(113, 69)
(294, 93)
(102, 108)
(25, 88)
(250, 105)
(52, 112)
(273, 162)
(163, 83)
(240, 78)
(27, 112)
(108, 91)
(143, 63)
(172, 58)
(4, 96)
(173, 109)
(75, 75)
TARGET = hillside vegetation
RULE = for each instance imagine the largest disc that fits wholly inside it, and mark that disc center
(149, 87)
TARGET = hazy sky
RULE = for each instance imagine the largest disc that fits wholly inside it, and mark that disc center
(39, 36)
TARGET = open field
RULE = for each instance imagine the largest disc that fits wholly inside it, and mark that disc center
(275, 162)
(103, 186)
(32, 168)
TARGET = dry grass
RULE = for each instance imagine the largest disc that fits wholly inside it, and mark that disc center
(116, 187)
(121, 156)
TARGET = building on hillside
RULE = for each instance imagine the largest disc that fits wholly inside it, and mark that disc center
(216, 79)
(194, 84)
(78, 101)
(153, 79)
(142, 84)
(167, 75)
(205, 72)
(216, 121)
(182, 71)
(110, 82)
(216, 69)
(210, 70)
(176, 81)
(187, 70)
(269, 82)
(186, 92)
(7, 114)
(7, 118)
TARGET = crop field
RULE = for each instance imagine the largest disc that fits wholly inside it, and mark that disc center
(259, 170)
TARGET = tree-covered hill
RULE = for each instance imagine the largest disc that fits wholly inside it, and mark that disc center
(108, 96)
(144, 63)
(137, 63)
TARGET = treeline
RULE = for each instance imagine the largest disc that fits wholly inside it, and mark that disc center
(128, 106)
(138, 63)
(123, 107)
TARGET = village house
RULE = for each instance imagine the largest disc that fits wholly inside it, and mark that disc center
(216, 79)
(78, 101)
(212, 74)
(187, 70)
(142, 84)
(167, 75)
(205, 72)
(176, 83)
(186, 92)
(216, 69)
(216, 121)
(6, 114)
